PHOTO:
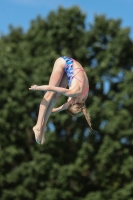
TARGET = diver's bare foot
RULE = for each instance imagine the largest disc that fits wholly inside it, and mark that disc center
(38, 135)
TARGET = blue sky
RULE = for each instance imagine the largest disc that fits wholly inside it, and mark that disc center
(21, 12)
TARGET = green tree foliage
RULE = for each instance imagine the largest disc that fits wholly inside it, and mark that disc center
(74, 163)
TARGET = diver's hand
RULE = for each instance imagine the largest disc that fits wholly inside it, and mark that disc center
(33, 87)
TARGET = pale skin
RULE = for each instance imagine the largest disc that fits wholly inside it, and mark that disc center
(57, 87)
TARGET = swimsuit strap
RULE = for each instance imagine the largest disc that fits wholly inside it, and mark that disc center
(85, 88)
(80, 69)
(84, 91)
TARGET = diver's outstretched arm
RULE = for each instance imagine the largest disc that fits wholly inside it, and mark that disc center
(60, 90)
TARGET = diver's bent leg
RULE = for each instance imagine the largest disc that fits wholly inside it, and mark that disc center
(42, 111)
(46, 116)
(52, 104)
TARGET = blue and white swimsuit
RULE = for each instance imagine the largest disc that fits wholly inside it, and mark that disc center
(69, 69)
(70, 73)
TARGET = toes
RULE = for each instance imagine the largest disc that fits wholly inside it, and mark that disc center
(37, 132)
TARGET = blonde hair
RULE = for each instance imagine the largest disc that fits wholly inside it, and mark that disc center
(77, 110)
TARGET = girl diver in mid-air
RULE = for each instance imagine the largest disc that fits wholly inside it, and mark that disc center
(66, 71)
